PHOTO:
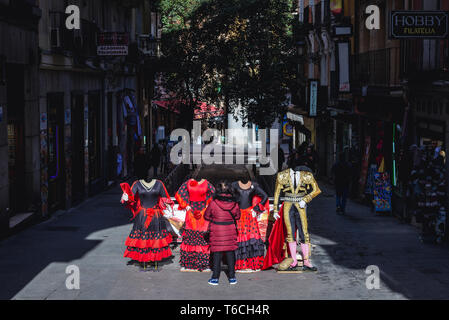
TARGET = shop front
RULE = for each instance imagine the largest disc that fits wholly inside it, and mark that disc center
(379, 125)
(56, 159)
(423, 172)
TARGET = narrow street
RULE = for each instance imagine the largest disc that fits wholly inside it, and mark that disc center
(91, 236)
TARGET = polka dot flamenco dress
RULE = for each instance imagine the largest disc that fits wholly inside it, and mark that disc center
(195, 252)
(149, 239)
(251, 247)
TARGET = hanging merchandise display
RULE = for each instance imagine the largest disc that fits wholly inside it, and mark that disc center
(428, 185)
(382, 192)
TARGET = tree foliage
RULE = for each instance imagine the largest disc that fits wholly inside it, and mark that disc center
(239, 52)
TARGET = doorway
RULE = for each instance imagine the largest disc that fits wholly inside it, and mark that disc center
(77, 147)
(15, 90)
(95, 156)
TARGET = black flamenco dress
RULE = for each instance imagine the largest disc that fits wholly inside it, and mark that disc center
(251, 247)
(149, 239)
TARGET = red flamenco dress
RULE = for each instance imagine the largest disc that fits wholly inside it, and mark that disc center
(251, 247)
(149, 239)
(195, 252)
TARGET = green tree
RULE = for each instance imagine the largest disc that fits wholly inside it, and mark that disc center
(241, 53)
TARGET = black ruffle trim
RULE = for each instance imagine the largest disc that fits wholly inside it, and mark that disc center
(250, 249)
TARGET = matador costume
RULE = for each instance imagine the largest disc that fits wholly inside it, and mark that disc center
(299, 188)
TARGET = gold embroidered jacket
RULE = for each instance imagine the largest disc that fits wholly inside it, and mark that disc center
(307, 188)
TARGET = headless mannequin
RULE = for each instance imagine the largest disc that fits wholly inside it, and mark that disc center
(245, 183)
(304, 246)
(149, 183)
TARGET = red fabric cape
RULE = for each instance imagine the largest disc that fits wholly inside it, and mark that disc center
(275, 252)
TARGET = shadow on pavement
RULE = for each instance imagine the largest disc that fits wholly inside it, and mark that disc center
(60, 239)
(361, 238)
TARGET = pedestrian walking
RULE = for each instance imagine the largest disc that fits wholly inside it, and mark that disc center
(342, 171)
(281, 158)
(311, 157)
(222, 213)
(155, 158)
(164, 157)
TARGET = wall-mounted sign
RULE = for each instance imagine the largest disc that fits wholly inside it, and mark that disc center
(43, 121)
(112, 44)
(67, 116)
(313, 98)
(343, 51)
(287, 128)
(419, 24)
(336, 7)
(339, 31)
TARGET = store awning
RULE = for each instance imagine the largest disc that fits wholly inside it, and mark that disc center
(295, 117)
(206, 111)
(203, 110)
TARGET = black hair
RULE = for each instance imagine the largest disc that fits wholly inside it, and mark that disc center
(224, 191)
(223, 187)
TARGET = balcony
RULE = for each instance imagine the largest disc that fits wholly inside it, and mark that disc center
(377, 68)
(77, 43)
(149, 46)
(425, 61)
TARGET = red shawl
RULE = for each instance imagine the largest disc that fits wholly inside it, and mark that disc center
(133, 202)
(262, 206)
(275, 252)
(135, 206)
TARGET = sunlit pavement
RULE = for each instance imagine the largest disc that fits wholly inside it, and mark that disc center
(33, 263)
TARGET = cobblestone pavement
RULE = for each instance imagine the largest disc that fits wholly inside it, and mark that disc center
(91, 236)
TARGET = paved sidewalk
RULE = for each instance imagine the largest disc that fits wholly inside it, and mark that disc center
(91, 236)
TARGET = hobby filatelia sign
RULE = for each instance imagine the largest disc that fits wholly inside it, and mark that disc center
(419, 24)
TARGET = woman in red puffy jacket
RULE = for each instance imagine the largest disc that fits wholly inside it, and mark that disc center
(222, 213)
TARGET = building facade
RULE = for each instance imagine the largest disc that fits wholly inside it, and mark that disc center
(74, 103)
(19, 105)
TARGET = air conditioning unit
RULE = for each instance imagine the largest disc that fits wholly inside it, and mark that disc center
(55, 38)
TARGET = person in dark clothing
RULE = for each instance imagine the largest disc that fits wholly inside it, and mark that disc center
(291, 158)
(164, 157)
(155, 158)
(281, 158)
(141, 164)
(223, 212)
(342, 171)
(311, 159)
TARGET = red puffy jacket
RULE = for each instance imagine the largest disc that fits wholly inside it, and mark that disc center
(223, 237)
